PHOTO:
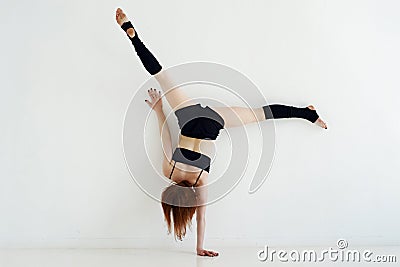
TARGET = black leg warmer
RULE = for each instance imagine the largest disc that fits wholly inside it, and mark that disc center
(277, 111)
(149, 62)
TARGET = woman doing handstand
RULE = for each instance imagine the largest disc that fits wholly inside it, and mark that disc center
(187, 165)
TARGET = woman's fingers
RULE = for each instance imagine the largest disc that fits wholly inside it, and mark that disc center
(213, 253)
(207, 253)
(149, 103)
(155, 98)
(152, 93)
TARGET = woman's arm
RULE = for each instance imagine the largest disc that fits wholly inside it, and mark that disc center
(201, 226)
(201, 221)
(156, 105)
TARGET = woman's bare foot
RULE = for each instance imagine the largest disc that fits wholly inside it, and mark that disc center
(121, 18)
(319, 121)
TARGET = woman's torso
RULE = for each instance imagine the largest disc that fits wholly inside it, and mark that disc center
(187, 172)
(199, 126)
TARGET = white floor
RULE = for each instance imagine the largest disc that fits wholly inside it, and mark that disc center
(158, 257)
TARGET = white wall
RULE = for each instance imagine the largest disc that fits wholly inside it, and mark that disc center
(67, 75)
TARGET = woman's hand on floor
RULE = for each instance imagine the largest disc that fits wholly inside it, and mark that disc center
(155, 101)
(209, 253)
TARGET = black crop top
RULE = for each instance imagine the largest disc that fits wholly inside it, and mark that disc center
(192, 158)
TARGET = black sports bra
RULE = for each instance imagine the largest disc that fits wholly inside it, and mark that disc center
(192, 158)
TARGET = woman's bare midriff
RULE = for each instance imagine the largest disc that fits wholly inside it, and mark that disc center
(202, 146)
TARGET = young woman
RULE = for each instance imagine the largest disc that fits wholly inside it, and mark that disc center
(187, 165)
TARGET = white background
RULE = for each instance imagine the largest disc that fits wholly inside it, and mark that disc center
(68, 73)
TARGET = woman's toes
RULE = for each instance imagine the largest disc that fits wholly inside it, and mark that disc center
(321, 123)
(119, 12)
(121, 19)
(120, 16)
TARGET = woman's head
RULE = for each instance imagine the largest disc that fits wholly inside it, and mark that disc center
(179, 205)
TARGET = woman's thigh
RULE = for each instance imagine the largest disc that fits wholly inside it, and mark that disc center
(239, 116)
(176, 97)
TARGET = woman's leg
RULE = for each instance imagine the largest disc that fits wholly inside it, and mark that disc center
(239, 116)
(176, 96)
